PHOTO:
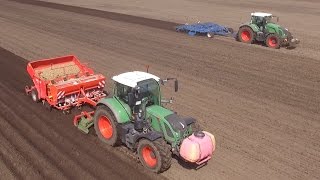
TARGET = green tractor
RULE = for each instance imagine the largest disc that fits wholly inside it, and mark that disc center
(261, 28)
(135, 116)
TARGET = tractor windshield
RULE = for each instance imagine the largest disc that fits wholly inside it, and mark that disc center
(270, 19)
(150, 88)
(263, 20)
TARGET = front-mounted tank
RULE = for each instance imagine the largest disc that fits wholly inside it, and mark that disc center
(136, 116)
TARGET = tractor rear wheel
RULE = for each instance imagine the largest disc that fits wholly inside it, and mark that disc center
(155, 155)
(105, 125)
(34, 95)
(246, 35)
(273, 41)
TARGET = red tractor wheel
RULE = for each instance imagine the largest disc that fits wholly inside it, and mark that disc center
(273, 41)
(105, 125)
(154, 155)
(246, 35)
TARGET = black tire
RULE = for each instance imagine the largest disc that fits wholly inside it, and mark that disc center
(246, 35)
(34, 95)
(160, 149)
(273, 41)
(106, 118)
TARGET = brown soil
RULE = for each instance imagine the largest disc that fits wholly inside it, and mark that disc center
(261, 104)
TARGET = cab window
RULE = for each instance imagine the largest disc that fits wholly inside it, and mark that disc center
(122, 91)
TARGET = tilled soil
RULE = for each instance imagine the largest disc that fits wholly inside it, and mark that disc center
(299, 16)
(261, 104)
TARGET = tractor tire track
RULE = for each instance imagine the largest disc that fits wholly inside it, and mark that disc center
(7, 155)
(26, 147)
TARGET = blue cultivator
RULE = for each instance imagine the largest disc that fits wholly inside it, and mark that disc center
(208, 29)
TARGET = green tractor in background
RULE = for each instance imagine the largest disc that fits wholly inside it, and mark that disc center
(135, 117)
(261, 28)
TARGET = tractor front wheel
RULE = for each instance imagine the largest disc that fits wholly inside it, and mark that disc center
(273, 41)
(105, 125)
(155, 155)
(246, 35)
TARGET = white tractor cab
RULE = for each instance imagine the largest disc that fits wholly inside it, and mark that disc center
(261, 19)
(143, 82)
(131, 79)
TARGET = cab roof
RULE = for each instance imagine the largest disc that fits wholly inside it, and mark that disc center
(132, 78)
(261, 14)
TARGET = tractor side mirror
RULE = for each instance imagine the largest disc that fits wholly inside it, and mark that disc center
(162, 81)
(131, 99)
(176, 86)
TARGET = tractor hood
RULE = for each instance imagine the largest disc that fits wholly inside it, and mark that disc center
(276, 28)
(273, 26)
(158, 111)
(178, 123)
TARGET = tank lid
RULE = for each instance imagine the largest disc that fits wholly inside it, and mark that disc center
(199, 134)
